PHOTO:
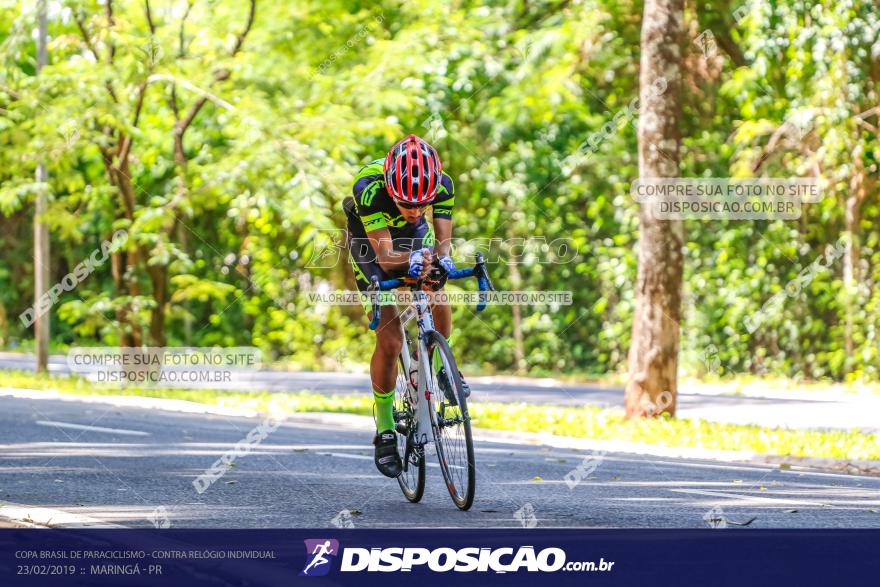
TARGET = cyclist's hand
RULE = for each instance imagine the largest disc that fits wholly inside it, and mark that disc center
(446, 263)
(418, 262)
(436, 276)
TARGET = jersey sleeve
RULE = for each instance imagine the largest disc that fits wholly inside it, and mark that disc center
(445, 199)
(366, 186)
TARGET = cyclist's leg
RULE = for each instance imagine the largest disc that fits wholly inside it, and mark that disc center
(383, 374)
(383, 365)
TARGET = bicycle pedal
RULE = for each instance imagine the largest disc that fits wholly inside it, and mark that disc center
(401, 428)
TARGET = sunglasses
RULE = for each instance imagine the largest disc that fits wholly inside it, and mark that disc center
(409, 206)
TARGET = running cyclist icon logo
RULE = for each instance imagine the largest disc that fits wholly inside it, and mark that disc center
(319, 554)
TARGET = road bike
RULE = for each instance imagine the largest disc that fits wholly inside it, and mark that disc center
(421, 409)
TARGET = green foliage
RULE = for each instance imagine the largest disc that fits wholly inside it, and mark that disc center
(507, 91)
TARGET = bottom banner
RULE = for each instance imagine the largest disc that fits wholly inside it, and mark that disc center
(189, 558)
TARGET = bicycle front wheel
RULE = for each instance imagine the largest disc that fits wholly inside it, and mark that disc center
(451, 425)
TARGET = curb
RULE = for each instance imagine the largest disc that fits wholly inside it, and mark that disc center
(39, 517)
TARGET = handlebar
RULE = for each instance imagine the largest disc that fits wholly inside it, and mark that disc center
(389, 284)
(478, 270)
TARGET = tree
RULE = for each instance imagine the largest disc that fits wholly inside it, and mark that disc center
(529, 105)
(117, 161)
(41, 227)
(653, 356)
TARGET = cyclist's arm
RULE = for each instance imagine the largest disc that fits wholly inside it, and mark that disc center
(389, 259)
(368, 183)
(442, 214)
(443, 232)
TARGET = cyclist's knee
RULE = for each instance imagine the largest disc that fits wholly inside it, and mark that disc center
(389, 341)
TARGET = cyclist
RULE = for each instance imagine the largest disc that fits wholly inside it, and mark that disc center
(389, 236)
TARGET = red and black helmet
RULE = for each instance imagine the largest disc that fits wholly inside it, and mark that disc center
(412, 172)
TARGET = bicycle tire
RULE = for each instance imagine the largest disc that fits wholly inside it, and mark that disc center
(456, 455)
(412, 479)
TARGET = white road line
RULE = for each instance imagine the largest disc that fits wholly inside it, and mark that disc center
(753, 498)
(345, 456)
(573, 457)
(366, 458)
(119, 431)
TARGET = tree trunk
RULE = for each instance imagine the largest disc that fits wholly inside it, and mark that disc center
(41, 227)
(852, 253)
(118, 266)
(183, 239)
(653, 355)
(159, 279)
(519, 347)
(125, 262)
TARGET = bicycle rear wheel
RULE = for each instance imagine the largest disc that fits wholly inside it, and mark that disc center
(451, 425)
(412, 479)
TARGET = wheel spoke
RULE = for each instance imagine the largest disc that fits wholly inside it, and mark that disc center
(452, 434)
(412, 479)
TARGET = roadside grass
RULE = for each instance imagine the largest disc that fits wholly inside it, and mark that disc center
(581, 422)
(737, 384)
(744, 384)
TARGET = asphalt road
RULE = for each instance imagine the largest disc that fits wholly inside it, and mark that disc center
(120, 464)
(805, 410)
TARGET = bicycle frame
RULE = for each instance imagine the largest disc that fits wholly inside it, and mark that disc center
(422, 385)
(419, 391)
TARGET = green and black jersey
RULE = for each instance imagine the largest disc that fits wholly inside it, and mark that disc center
(372, 207)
